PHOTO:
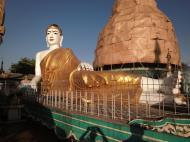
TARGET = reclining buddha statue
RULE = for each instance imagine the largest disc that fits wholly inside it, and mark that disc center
(59, 69)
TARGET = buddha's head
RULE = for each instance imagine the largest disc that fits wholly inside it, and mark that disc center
(54, 35)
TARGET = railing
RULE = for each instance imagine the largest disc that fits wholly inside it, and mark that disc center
(114, 104)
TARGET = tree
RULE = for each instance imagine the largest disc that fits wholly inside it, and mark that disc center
(24, 66)
(184, 65)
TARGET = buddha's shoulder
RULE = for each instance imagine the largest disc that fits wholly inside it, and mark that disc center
(43, 52)
(64, 49)
(55, 50)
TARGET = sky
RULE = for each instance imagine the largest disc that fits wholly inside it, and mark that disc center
(81, 21)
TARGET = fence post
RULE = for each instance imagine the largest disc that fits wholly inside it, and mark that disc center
(174, 105)
(136, 106)
(159, 107)
(105, 104)
(112, 108)
(76, 100)
(67, 100)
(71, 100)
(98, 104)
(163, 107)
(52, 97)
(121, 105)
(86, 103)
(129, 108)
(59, 102)
(188, 105)
(55, 98)
(47, 97)
(92, 103)
(80, 101)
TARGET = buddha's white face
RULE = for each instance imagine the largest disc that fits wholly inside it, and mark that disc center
(53, 37)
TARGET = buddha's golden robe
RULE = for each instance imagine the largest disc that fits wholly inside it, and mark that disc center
(59, 71)
(56, 68)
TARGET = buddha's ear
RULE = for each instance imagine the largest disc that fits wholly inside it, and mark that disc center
(61, 41)
(47, 42)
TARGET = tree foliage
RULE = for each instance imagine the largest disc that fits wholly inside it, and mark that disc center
(24, 66)
(184, 65)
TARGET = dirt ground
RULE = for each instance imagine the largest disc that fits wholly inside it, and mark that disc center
(26, 131)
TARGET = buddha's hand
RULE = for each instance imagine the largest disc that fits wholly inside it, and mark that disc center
(34, 82)
(85, 66)
(33, 86)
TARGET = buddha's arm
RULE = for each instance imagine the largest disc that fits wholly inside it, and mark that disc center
(37, 76)
(37, 65)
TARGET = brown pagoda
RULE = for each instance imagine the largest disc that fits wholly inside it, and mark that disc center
(137, 33)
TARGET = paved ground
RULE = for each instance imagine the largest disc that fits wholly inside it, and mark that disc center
(27, 131)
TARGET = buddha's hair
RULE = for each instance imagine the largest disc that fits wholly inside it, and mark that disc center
(56, 26)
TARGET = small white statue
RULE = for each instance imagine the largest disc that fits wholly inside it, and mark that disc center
(155, 91)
